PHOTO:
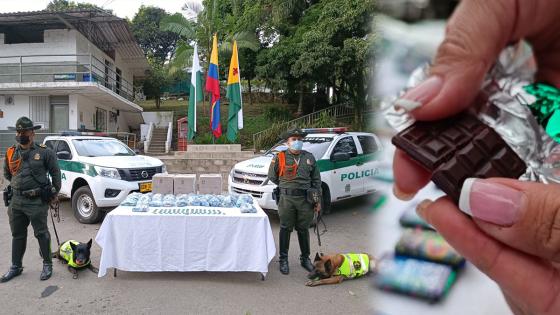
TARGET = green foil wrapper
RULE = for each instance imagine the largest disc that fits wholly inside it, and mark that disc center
(546, 108)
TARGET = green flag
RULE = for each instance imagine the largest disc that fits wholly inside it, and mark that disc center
(235, 114)
(195, 94)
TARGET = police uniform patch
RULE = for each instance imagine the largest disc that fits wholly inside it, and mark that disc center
(37, 156)
(357, 265)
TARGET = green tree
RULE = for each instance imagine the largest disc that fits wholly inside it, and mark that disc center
(61, 5)
(155, 42)
(215, 16)
(320, 44)
(155, 81)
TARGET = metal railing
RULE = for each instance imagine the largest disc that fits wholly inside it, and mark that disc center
(169, 137)
(336, 111)
(63, 68)
(7, 139)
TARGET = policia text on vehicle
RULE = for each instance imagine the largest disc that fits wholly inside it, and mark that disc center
(26, 166)
(298, 178)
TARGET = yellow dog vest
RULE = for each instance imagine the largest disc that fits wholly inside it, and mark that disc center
(353, 266)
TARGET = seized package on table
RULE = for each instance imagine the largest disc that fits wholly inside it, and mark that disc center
(244, 199)
(169, 200)
(519, 110)
(131, 200)
(145, 198)
(157, 200)
(143, 204)
(227, 201)
(248, 208)
(182, 200)
(214, 201)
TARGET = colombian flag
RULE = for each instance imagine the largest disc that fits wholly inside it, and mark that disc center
(213, 87)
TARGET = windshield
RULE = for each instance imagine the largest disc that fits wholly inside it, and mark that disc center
(101, 147)
(315, 145)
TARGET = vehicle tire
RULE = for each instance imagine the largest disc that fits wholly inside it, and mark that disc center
(84, 206)
(326, 200)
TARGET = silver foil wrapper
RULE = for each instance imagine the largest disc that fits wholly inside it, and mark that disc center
(505, 110)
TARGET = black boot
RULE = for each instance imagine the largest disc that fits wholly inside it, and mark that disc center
(18, 249)
(45, 249)
(12, 273)
(47, 272)
(284, 247)
(303, 239)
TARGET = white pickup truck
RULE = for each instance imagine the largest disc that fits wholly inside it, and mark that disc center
(99, 172)
(347, 160)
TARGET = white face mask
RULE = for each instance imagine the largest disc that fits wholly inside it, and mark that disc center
(296, 145)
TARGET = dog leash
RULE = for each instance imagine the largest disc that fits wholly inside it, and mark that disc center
(318, 218)
(55, 207)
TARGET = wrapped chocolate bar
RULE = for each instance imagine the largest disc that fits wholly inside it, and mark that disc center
(524, 114)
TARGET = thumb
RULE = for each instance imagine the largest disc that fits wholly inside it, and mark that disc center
(475, 35)
(522, 215)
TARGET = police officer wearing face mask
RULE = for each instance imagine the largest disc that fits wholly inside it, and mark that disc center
(26, 166)
(296, 173)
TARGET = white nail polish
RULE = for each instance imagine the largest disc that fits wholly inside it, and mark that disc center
(407, 105)
(464, 199)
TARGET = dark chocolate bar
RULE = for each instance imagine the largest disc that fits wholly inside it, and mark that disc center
(456, 148)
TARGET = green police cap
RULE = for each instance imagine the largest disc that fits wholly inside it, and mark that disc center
(294, 133)
(24, 123)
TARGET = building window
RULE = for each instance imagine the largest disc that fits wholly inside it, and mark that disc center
(39, 109)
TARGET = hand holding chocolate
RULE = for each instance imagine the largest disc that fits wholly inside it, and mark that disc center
(456, 148)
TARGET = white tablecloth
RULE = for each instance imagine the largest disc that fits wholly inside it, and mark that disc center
(145, 241)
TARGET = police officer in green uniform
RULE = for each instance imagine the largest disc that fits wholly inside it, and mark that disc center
(26, 166)
(296, 173)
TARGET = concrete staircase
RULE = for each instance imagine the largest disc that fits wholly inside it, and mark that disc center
(157, 143)
(206, 159)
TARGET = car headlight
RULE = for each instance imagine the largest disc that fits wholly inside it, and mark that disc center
(163, 168)
(108, 172)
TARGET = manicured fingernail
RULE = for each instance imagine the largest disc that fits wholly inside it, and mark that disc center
(421, 94)
(422, 206)
(402, 195)
(491, 202)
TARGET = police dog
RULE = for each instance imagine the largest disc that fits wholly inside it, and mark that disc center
(76, 255)
(333, 269)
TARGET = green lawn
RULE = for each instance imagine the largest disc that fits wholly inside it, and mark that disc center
(253, 122)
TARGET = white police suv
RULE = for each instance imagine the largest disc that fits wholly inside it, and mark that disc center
(99, 172)
(347, 161)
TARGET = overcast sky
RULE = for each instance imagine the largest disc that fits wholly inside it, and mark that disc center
(122, 8)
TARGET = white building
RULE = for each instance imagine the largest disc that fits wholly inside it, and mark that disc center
(70, 70)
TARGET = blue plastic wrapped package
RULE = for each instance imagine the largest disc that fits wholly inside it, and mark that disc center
(248, 208)
(182, 200)
(193, 200)
(214, 201)
(157, 200)
(244, 199)
(143, 205)
(204, 203)
(131, 200)
(145, 198)
(227, 202)
(234, 198)
(169, 200)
